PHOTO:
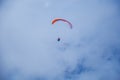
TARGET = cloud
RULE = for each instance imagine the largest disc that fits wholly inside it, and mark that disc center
(29, 47)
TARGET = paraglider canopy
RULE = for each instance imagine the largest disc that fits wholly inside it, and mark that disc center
(59, 19)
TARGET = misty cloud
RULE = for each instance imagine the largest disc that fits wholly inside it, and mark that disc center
(28, 41)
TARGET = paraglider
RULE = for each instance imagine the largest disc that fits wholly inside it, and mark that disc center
(59, 19)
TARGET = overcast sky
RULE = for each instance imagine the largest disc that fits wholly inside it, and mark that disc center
(29, 49)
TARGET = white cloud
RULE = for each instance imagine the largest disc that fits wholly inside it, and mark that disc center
(30, 50)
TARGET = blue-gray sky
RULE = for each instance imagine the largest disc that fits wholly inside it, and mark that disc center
(28, 41)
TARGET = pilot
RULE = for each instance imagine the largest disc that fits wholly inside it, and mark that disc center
(58, 39)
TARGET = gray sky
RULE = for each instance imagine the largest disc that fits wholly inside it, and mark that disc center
(28, 41)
